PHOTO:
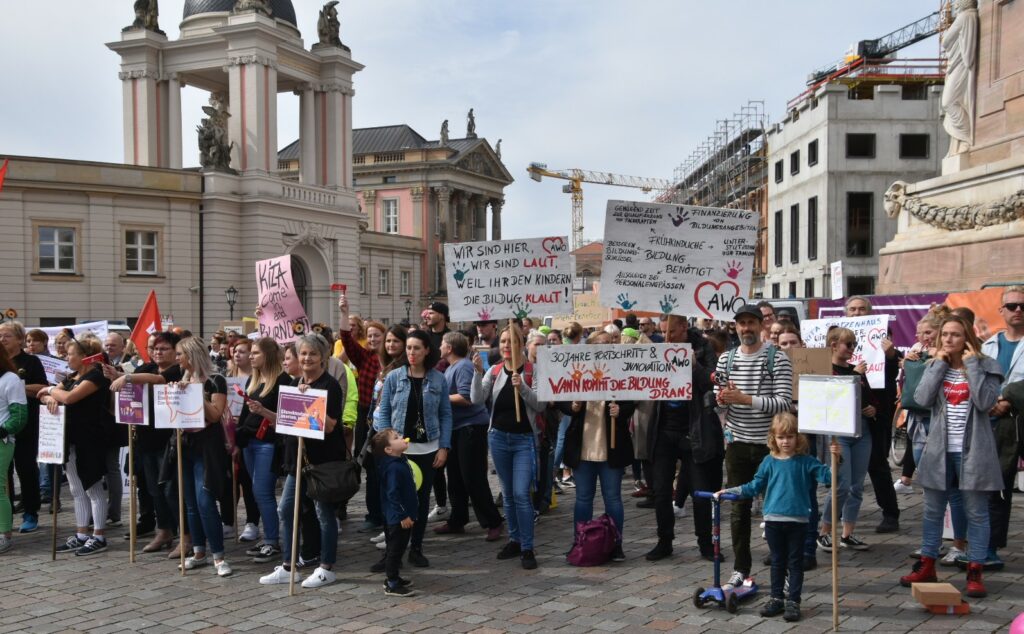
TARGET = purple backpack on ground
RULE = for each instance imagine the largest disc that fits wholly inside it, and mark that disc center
(594, 542)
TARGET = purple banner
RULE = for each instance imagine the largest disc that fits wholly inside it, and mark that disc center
(907, 309)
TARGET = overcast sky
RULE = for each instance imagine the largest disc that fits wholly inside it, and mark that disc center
(625, 87)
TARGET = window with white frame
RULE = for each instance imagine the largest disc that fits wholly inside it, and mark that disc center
(362, 279)
(390, 215)
(383, 282)
(56, 249)
(405, 282)
(140, 251)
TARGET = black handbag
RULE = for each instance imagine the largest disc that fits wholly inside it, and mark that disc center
(334, 482)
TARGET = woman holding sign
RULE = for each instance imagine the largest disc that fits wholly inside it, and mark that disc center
(89, 428)
(13, 418)
(512, 439)
(204, 459)
(414, 402)
(960, 385)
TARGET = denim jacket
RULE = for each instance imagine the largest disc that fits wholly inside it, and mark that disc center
(437, 407)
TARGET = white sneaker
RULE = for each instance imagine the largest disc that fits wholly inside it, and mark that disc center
(378, 539)
(679, 511)
(439, 513)
(735, 580)
(192, 562)
(280, 575)
(320, 577)
(900, 487)
(250, 533)
(222, 568)
(381, 545)
(951, 556)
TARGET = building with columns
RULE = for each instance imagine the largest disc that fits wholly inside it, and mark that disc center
(415, 194)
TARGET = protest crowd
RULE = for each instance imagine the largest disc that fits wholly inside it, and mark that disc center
(428, 411)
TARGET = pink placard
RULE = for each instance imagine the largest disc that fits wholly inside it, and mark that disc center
(281, 314)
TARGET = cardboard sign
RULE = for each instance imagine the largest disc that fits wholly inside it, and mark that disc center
(830, 405)
(837, 279)
(176, 408)
(809, 361)
(678, 259)
(625, 372)
(51, 436)
(282, 316)
(588, 312)
(870, 330)
(132, 404)
(56, 369)
(236, 400)
(302, 413)
(508, 278)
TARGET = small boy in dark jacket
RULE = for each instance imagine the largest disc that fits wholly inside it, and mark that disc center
(398, 503)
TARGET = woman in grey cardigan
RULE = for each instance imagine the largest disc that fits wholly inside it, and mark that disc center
(960, 385)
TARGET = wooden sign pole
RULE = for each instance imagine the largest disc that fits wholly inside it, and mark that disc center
(54, 504)
(295, 518)
(181, 505)
(613, 432)
(131, 495)
(515, 343)
(835, 542)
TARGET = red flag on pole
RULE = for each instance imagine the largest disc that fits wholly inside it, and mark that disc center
(3, 174)
(148, 323)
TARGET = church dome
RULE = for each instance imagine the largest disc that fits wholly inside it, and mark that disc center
(282, 9)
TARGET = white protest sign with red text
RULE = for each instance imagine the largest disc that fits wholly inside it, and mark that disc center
(870, 331)
(679, 259)
(627, 372)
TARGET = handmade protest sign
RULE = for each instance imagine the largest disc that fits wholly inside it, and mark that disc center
(508, 278)
(302, 413)
(56, 368)
(837, 279)
(830, 405)
(178, 408)
(677, 259)
(808, 361)
(630, 372)
(281, 315)
(132, 404)
(235, 400)
(870, 331)
(51, 436)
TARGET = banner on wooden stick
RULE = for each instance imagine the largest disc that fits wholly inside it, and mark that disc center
(302, 413)
(178, 408)
(870, 331)
(281, 315)
(630, 372)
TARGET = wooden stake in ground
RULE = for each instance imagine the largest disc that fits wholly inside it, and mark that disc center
(295, 518)
(515, 343)
(54, 503)
(181, 504)
(835, 541)
(131, 495)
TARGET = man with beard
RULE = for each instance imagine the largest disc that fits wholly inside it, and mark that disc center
(753, 383)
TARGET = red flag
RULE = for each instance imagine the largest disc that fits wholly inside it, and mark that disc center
(148, 323)
(3, 174)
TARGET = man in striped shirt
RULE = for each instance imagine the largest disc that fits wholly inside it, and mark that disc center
(751, 388)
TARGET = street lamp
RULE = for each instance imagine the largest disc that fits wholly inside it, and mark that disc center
(232, 296)
(408, 310)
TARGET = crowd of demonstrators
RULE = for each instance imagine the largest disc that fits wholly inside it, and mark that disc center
(13, 418)
(26, 441)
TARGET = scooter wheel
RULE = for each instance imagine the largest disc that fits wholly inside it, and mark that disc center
(698, 601)
(731, 605)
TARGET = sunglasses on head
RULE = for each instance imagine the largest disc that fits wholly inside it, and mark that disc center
(1013, 306)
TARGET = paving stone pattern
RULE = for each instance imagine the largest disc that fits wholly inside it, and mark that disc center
(466, 589)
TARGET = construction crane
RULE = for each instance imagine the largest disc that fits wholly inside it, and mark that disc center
(577, 177)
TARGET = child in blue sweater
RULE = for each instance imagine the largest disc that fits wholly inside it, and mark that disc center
(399, 505)
(785, 479)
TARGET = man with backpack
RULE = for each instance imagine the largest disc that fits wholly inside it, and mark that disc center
(752, 384)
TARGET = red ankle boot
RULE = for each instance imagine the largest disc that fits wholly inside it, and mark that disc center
(924, 572)
(975, 588)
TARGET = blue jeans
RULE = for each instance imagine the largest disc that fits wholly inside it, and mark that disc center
(563, 426)
(956, 500)
(259, 459)
(856, 454)
(201, 506)
(514, 459)
(586, 476)
(326, 515)
(785, 542)
(975, 507)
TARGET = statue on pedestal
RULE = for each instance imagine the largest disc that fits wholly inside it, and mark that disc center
(214, 147)
(146, 14)
(259, 6)
(470, 125)
(960, 42)
(497, 149)
(444, 132)
(328, 26)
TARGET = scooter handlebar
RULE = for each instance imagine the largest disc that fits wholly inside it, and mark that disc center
(711, 494)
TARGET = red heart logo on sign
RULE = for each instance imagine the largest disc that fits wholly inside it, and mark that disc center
(718, 300)
(677, 357)
(956, 393)
(875, 336)
(553, 245)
